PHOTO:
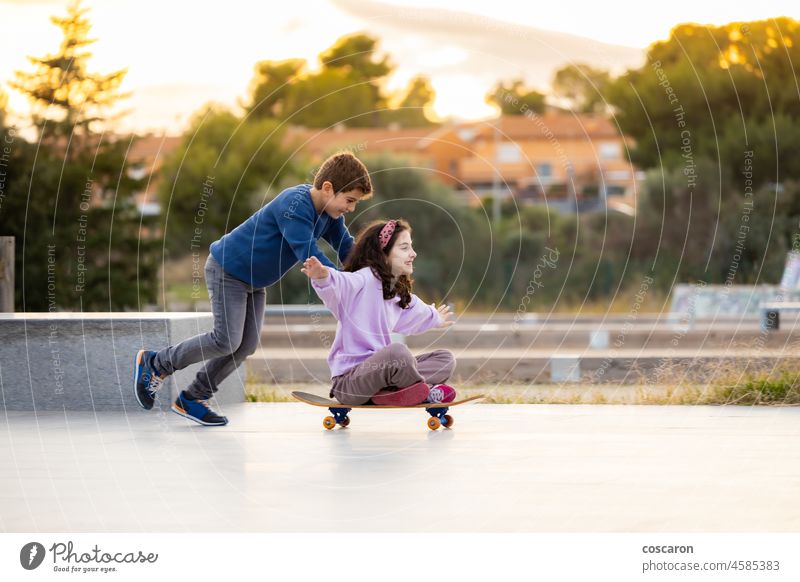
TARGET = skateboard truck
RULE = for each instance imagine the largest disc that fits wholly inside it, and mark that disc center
(439, 417)
(339, 417)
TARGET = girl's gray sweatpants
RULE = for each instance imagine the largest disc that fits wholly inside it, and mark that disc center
(393, 366)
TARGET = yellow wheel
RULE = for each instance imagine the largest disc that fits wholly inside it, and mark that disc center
(448, 421)
(329, 422)
(433, 423)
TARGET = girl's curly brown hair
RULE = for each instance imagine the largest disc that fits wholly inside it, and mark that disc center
(367, 252)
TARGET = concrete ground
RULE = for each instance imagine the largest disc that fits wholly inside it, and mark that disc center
(502, 468)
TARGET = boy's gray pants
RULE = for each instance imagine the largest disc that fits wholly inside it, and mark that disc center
(238, 310)
(393, 366)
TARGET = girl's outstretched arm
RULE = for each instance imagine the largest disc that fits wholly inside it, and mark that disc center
(314, 269)
(333, 287)
(419, 317)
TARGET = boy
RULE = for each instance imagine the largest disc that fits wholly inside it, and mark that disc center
(241, 265)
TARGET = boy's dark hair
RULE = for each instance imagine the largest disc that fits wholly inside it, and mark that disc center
(345, 172)
(367, 252)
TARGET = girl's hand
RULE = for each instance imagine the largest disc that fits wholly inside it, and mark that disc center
(314, 269)
(444, 314)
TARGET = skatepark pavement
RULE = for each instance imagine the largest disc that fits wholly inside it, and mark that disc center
(502, 468)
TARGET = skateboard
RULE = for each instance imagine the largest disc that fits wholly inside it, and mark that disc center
(438, 412)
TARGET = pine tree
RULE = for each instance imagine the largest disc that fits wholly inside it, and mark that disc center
(80, 238)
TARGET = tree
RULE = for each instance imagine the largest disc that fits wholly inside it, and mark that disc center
(751, 247)
(347, 89)
(81, 227)
(224, 169)
(3, 105)
(711, 113)
(271, 85)
(356, 55)
(773, 140)
(332, 96)
(705, 82)
(414, 109)
(582, 87)
(68, 100)
(513, 98)
(678, 222)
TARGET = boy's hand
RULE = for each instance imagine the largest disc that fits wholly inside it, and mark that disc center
(444, 314)
(314, 269)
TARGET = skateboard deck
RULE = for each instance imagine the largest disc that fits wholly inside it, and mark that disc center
(438, 412)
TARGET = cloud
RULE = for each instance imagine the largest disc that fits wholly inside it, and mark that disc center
(496, 49)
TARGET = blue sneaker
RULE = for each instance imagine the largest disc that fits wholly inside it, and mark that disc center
(146, 381)
(197, 410)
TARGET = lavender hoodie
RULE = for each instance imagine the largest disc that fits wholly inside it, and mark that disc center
(365, 319)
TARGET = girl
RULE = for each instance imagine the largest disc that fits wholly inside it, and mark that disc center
(371, 298)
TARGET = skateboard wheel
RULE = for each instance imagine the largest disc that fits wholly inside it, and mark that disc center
(329, 422)
(448, 421)
(434, 423)
(345, 421)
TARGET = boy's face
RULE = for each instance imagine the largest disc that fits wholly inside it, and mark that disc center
(337, 205)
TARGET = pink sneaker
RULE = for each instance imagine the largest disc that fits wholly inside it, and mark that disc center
(441, 394)
(409, 396)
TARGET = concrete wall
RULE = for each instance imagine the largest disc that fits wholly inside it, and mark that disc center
(84, 361)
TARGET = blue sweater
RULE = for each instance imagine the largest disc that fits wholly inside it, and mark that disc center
(274, 239)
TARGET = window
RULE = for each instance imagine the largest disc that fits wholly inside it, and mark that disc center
(508, 153)
(610, 150)
(137, 172)
(466, 134)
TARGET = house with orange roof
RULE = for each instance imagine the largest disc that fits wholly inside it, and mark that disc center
(573, 161)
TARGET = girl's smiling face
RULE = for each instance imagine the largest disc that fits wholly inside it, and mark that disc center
(401, 257)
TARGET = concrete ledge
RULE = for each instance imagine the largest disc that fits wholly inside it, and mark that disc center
(302, 310)
(84, 361)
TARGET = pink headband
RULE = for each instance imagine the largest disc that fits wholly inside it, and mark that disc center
(386, 233)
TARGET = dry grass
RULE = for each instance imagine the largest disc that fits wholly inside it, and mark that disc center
(620, 304)
(732, 382)
(268, 393)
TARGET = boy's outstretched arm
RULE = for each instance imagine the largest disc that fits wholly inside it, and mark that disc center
(339, 238)
(298, 231)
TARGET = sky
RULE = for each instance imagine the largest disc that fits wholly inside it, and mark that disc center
(181, 55)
